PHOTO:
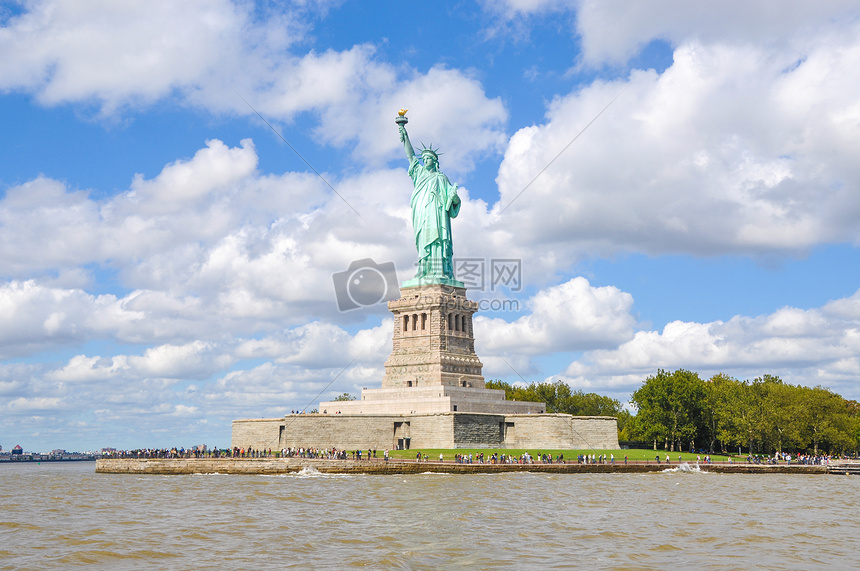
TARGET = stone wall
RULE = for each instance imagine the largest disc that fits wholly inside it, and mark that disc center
(561, 431)
(598, 432)
(438, 430)
(478, 431)
(432, 430)
(259, 434)
(350, 432)
(438, 399)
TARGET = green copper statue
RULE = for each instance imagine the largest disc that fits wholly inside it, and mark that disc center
(434, 203)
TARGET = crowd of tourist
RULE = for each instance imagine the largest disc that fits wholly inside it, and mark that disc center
(597, 459)
(805, 459)
(196, 452)
(470, 458)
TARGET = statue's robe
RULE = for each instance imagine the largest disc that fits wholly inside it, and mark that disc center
(434, 203)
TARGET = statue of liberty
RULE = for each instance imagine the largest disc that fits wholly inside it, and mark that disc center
(434, 203)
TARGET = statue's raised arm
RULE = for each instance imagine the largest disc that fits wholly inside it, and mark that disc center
(434, 203)
(404, 138)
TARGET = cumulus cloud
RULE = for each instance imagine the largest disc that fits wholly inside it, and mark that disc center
(613, 31)
(194, 360)
(214, 54)
(63, 51)
(808, 347)
(206, 246)
(730, 150)
(179, 386)
(37, 317)
(573, 316)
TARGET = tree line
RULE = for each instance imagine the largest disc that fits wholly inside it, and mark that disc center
(766, 415)
(560, 398)
(681, 411)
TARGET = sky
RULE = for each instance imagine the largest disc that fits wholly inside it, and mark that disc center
(187, 189)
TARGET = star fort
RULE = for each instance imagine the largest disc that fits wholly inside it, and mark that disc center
(432, 394)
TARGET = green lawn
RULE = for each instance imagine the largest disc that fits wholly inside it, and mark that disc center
(569, 455)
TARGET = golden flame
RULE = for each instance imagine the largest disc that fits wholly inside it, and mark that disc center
(402, 112)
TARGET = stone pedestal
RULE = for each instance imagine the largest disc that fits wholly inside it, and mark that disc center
(434, 343)
(433, 367)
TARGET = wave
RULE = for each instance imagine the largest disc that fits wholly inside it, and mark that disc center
(684, 468)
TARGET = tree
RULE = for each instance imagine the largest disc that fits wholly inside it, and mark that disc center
(717, 419)
(825, 416)
(782, 408)
(669, 405)
(651, 420)
(559, 398)
(626, 425)
(344, 397)
(498, 384)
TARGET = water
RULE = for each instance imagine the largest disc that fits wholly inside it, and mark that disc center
(61, 516)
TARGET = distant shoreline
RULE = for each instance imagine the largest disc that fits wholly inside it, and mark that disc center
(279, 466)
(38, 460)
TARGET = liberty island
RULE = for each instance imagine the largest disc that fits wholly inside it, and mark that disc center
(433, 393)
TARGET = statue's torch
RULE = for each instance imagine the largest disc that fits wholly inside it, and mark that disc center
(401, 117)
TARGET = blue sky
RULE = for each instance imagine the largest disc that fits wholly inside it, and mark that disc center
(166, 260)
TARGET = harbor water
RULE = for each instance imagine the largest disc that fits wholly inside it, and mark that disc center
(64, 515)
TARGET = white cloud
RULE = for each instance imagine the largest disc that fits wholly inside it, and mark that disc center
(730, 150)
(122, 53)
(194, 360)
(808, 347)
(202, 54)
(613, 31)
(209, 245)
(152, 388)
(33, 404)
(573, 316)
(37, 317)
(183, 184)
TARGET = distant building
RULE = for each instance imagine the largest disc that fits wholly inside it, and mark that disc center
(17, 450)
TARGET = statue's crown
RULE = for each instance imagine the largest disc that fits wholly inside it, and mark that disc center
(431, 150)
